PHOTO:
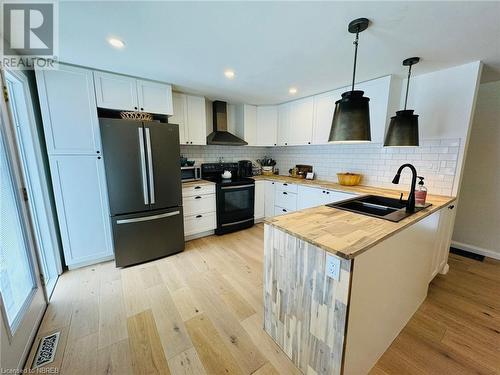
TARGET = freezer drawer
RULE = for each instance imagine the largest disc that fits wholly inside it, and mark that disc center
(142, 237)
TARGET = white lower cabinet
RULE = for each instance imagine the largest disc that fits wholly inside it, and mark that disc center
(269, 198)
(199, 223)
(199, 206)
(445, 223)
(82, 208)
(259, 201)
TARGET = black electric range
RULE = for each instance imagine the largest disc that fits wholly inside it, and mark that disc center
(235, 197)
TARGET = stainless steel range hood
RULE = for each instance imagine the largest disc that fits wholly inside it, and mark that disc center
(220, 135)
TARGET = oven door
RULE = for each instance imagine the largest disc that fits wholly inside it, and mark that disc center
(235, 207)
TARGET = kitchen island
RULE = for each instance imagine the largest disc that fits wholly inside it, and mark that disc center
(340, 286)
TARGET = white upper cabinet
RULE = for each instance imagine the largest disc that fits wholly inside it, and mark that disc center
(283, 124)
(154, 97)
(196, 120)
(246, 123)
(179, 116)
(69, 112)
(189, 112)
(324, 106)
(114, 91)
(295, 122)
(267, 125)
(301, 122)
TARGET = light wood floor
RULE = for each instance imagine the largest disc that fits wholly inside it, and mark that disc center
(200, 312)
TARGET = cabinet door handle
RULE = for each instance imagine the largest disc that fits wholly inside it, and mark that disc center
(135, 107)
(285, 184)
(327, 192)
(198, 216)
(142, 109)
(284, 210)
(197, 197)
(98, 157)
(197, 187)
(285, 193)
(451, 207)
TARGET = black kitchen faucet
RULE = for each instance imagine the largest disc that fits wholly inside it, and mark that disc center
(410, 204)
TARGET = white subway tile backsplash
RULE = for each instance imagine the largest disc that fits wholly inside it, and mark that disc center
(435, 159)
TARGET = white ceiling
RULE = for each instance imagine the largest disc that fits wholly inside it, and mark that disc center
(275, 45)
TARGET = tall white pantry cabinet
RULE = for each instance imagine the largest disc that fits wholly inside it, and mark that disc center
(71, 128)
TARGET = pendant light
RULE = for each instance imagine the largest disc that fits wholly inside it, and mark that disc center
(403, 128)
(351, 119)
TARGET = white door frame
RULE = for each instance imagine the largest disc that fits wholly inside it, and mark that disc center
(15, 345)
(45, 207)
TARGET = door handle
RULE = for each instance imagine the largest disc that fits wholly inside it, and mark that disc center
(150, 167)
(148, 218)
(235, 187)
(142, 155)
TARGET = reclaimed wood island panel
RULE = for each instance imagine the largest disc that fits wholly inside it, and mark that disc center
(330, 326)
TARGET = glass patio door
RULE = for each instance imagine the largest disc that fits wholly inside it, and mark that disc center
(35, 177)
(22, 300)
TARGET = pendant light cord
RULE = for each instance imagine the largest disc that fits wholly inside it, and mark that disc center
(355, 58)
(408, 84)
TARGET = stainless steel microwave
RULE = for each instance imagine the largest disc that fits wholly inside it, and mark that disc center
(190, 173)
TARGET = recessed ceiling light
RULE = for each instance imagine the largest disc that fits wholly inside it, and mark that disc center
(292, 90)
(229, 73)
(117, 43)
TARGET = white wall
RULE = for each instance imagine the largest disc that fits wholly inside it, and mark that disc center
(444, 101)
(477, 225)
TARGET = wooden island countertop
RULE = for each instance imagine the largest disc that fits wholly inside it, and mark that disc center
(343, 233)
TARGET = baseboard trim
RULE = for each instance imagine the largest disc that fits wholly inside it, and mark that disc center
(198, 235)
(90, 262)
(476, 250)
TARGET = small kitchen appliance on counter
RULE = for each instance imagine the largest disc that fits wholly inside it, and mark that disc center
(300, 171)
(234, 196)
(245, 168)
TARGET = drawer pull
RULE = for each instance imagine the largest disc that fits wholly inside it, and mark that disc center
(197, 187)
(284, 210)
(285, 193)
(285, 184)
(198, 216)
(197, 197)
(451, 207)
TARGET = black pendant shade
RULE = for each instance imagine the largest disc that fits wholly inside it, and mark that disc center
(351, 119)
(403, 129)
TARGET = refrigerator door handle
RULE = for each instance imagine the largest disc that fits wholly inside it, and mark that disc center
(147, 218)
(150, 167)
(143, 165)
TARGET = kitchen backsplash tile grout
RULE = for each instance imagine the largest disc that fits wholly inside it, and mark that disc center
(436, 160)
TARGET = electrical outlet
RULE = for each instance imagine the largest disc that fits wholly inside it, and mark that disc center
(333, 267)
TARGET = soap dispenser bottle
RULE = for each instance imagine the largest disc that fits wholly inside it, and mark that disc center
(420, 193)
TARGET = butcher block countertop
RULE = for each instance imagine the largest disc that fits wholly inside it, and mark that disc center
(343, 233)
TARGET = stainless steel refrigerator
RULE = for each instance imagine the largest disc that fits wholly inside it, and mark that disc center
(144, 189)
